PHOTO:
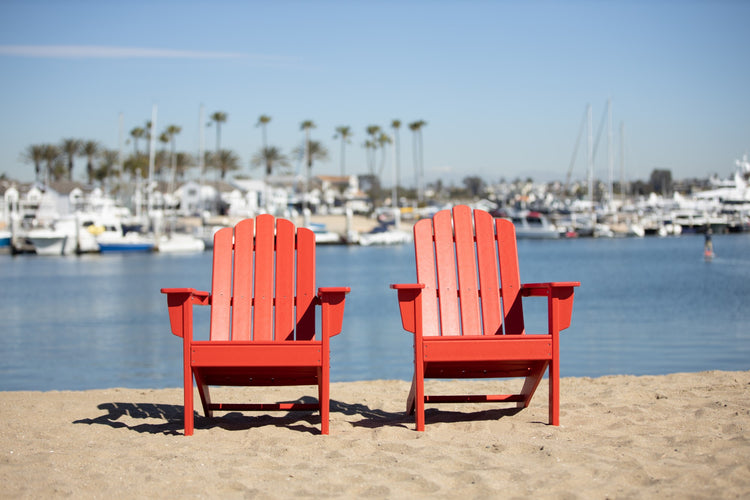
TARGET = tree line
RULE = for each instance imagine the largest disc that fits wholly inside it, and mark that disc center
(55, 161)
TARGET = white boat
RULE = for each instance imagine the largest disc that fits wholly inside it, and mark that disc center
(385, 235)
(65, 236)
(534, 225)
(206, 234)
(50, 241)
(113, 239)
(5, 237)
(179, 243)
(130, 242)
(323, 236)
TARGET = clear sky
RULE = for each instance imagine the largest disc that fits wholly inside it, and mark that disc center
(502, 85)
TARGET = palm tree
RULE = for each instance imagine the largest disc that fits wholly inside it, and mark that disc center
(218, 118)
(182, 161)
(343, 132)
(371, 146)
(71, 148)
(172, 131)
(263, 120)
(51, 156)
(315, 152)
(416, 128)
(396, 124)
(161, 156)
(91, 149)
(136, 165)
(225, 161)
(383, 140)
(137, 133)
(108, 166)
(306, 126)
(270, 157)
(34, 154)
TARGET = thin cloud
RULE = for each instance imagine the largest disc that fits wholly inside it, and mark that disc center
(104, 52)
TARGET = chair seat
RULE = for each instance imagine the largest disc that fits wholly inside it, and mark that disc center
(487, 348)
(257, 354)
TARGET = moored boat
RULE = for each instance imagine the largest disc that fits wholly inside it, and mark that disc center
(534, 225)
(180, 243)
(5, 237)
(385, 234)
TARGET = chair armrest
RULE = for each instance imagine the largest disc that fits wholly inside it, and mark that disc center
(180, 302)
(409, 302)
(559, 299)
(332, 300)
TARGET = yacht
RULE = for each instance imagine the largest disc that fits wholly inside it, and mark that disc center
(534, 225)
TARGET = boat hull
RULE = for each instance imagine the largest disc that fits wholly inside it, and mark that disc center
(125, 247)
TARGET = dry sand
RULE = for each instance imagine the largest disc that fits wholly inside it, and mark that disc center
(674, 436)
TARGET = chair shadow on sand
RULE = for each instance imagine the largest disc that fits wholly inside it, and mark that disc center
(168, 418)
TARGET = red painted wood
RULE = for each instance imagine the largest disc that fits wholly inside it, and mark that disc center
(466, 264)
(492, 322)
(221, 285)
(510, 281)
(305, 284)
(242, 280)
(264, 407)
(447, 285)
(469, 266)
(256, 353)
(263, 290)
(424, 247)
(476, 398)
(284, 294)
(500, 348)
(273, 287)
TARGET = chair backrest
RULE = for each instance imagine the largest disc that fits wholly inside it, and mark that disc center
(468, 263)
(263, 285)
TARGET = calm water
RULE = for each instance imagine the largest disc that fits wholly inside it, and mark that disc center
(645, 306)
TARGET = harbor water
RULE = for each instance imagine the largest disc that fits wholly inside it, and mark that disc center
(645, 306)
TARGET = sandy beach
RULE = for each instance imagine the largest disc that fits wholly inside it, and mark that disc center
(674, 436)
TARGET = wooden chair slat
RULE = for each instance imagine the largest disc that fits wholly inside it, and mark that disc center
(510, 280)
(492, 322)
(305, 284)
(445, 260)
(424, 246)
(242, 283)
(466, 264)
(284, 297)
(263, 290)
(221, 285)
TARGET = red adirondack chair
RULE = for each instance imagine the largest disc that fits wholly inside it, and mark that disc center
(262, 315)
(467, 289)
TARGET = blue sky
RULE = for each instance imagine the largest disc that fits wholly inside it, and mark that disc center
(502, 85)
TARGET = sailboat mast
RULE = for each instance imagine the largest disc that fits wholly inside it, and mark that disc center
(622, 161)
(151, 160)
(120, 133)
(610, 152)
(201, 156)
(590, 157)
